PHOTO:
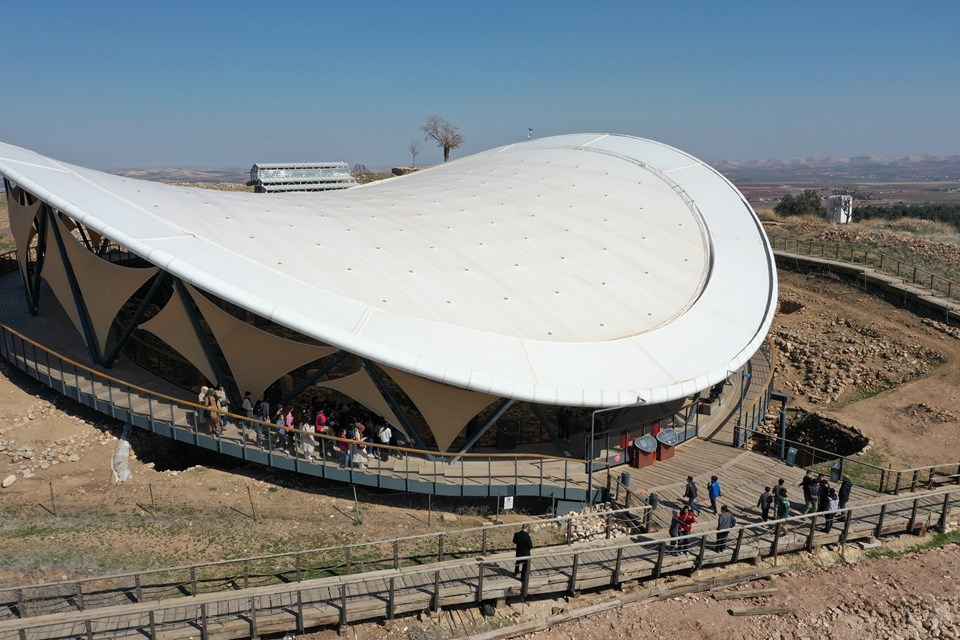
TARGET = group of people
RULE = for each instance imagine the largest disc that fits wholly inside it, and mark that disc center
(359, 435)
(683, 519)
(818, 496)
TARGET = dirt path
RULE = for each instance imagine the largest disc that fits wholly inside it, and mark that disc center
(889, 373)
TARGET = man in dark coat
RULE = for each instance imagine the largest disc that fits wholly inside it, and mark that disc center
(823, 496)
(690, 493)
(844, 494)
(765, 502)
(725, 522)
(524, 547)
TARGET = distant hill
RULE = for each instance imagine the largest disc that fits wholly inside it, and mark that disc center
(871, 168)
(186, 174)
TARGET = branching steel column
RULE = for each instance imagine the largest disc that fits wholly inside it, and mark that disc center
(34, 287)
(88, 334)
(492, 420)
(158, 281)
(339, 357)
(392, 401)
(549, 427)
(180, 290)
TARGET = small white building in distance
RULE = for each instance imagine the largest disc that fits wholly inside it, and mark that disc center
(840, 209)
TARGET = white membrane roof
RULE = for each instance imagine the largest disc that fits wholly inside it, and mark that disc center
(585, 269)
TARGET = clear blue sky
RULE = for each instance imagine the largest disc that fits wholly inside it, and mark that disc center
(226, 84)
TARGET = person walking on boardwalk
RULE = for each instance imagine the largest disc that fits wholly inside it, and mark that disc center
(524, 546)
(844, 494)
(690, 494)
(823, 495)
(687, 519)
(780, 489)
(713, 490)
(675, 524)
(783, 505)
(809, 493)
(833, 503)
(726, 522)
(764, 503)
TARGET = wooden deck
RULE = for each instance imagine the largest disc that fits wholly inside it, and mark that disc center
(168, 414)
(341, 600)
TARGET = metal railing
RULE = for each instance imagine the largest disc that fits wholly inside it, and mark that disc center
(30, 600)
(862, 473)
(417, 470)
(385, 594)
(946, 287)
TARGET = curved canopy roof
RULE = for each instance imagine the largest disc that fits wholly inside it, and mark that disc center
(584, 270)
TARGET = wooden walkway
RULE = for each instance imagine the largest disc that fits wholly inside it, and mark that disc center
(251, 612)
(149, 402)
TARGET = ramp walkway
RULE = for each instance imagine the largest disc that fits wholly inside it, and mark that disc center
(243, 612)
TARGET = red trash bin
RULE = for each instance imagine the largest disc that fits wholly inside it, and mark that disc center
(667, 440)
(646, 447)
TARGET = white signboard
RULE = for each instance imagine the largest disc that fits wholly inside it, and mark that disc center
(507, 502)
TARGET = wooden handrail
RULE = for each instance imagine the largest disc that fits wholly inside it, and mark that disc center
(471, 565)
(242, 418)
(389, 541)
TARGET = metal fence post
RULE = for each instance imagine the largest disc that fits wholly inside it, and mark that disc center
(944, 512)
(572, 588)
(736, 549)
(254, 632)
(879, 528)
(913, 515)
(616, 569)
(846, 526)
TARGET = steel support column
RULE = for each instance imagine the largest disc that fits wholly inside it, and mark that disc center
(158, 282)
(181, 290)
(550, 430)
(324, 370)
(88, 335)
(34, 287)
(492, 420)
(384, 390)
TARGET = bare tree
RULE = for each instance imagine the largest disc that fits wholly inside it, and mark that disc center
(414, 149)
(445, 134)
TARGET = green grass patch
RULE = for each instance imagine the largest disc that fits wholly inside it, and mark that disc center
(937, 541)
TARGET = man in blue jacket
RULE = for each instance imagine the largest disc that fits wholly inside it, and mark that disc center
(713, 489)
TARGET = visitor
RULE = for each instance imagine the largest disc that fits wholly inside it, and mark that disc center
(690, 494)
(212, 411)
(713, 490)
(725, 522)
(687, 520)
(247, 407)
(844, 494)
(783, 504)
(833, 503)
(385, 435)
(764, 503)
(524, 545)
(307, 442)
(675, 525)
(823, 495)
(809, 493)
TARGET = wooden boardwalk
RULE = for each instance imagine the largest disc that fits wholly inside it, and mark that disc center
(341, 600)
(149, 402)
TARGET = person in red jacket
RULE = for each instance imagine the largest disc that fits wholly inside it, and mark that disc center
(686, 519)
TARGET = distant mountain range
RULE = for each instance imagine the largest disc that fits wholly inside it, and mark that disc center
(823, 170)
(869, 168)
(185, 174)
